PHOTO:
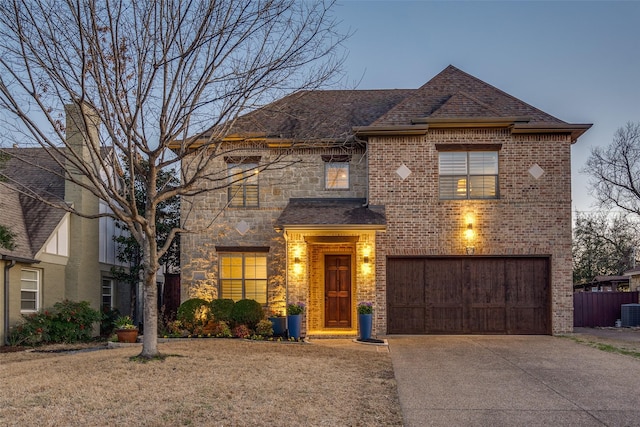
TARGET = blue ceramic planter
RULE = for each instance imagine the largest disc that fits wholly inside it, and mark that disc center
(365, 323)
(294, 324)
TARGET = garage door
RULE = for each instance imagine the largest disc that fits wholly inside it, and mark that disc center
(468, 295)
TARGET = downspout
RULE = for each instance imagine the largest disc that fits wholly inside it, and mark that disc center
(366, 171)
(7, 267)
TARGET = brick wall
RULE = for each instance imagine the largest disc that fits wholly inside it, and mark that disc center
(532, 216)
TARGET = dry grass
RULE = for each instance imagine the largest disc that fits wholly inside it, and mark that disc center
(207, 382)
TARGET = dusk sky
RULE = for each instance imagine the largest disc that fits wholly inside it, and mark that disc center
(578, 61)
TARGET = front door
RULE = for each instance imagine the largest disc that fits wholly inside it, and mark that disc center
(337, 291)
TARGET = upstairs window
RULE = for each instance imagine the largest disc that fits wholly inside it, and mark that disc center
(336, 172)
(243, 182)
(468, 174)
(243, 275)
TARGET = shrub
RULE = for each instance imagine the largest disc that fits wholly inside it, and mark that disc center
(264, 328)
(66, 322)
(222, 330)
(108, 321)
(247, 312)
(194, 313)
(241, 331)
(221, 309)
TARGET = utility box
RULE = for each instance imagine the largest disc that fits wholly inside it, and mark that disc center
(630, 315)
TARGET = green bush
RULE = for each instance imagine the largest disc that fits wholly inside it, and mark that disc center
(221, 309)
(264, 328)
(66, 322)
(108, 321)
(194, 313)
(247, 312)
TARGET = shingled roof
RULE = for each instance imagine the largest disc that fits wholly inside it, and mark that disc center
(314, 213)
(27, 171)
(320, 114)
(452, 96)
(455, 94)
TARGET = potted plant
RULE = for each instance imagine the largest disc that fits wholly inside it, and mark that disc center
(365, 320)
(126, 330)
(279, 323)
(294, 319)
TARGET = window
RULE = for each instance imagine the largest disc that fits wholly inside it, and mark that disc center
(58, 244)
(336, 175)
(243, 184)
(468, 174)
(108, 300)
(243, 276)
(29, 291)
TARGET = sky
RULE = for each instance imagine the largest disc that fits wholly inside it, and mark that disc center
(578, 61)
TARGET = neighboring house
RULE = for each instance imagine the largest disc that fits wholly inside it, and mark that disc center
(634, 278)
(447, 206)
(57, 255)
(605, 284)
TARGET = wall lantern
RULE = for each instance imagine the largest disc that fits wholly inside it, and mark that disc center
(296, 260)
(366, 259)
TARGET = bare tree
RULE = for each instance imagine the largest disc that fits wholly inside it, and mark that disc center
(155, 75)
(615, 171)
(603, 245)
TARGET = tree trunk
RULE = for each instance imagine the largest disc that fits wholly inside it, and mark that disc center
(150, 336)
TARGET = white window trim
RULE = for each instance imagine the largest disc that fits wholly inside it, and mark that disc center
(37, 291)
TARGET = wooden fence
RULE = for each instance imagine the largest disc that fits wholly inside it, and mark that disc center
(600, 308)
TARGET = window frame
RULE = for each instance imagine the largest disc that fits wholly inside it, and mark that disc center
(37, 291)
(111, 295)
(240, 186)
(260, 282)
(468, 177)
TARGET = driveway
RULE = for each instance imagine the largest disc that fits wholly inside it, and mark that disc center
(513, 380)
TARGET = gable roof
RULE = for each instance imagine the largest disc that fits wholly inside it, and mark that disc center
(447, 95)
(452, 98)
(32, 171)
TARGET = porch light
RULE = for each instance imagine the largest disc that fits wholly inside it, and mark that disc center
(296, 260)
(366, 259)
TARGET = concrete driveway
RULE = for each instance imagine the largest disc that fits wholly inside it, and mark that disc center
(513, 381)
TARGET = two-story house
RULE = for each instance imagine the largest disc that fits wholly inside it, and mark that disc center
(447, 206)
(57, 255)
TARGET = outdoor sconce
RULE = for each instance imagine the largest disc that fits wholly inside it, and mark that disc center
(468, 234)
(366, 259)
(296, 260)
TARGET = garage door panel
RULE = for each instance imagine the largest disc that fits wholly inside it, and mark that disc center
(403, 278)
(487, 320)
(469, 295)
(445, 320)
(406, 320)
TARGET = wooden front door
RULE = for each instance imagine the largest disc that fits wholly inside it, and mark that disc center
(337, 291)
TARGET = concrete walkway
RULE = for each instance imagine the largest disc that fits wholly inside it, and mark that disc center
(513, 381)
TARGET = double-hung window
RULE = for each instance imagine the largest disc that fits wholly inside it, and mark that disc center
(243, 275)
(29, 290)
(468, 174)
(243, 182)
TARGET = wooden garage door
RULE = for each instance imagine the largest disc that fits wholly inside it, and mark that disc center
(468, 295)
